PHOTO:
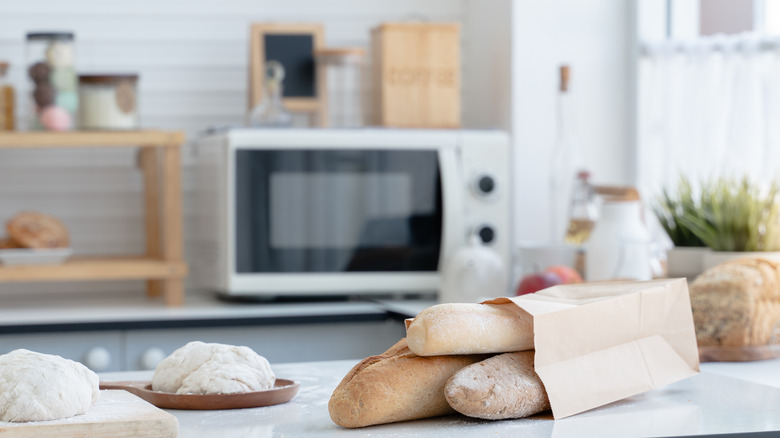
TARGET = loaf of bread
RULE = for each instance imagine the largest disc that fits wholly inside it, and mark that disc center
(737, 304)
(471, 328)
(501, 387)
(395, 386)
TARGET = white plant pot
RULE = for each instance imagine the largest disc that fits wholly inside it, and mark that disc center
(714, 258)
(685, 261)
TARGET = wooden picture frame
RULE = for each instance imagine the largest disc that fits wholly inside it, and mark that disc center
(289, 43)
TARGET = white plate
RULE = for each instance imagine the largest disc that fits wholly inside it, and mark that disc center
(26, 256)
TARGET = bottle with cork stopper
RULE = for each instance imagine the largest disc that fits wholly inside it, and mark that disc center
(7, 103)
(565, 162)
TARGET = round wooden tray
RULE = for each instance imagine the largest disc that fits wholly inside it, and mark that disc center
(739, 354)
(282, 392)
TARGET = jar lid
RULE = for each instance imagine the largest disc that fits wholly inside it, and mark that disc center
(340, 51)
(60, 36)
(107, 78)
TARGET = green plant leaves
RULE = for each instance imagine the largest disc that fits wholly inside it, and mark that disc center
(729, 215)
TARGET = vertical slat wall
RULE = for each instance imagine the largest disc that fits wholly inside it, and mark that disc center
(192, 60)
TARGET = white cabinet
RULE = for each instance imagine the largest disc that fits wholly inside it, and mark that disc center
(102, 351)
(141, 349)
(277, 343)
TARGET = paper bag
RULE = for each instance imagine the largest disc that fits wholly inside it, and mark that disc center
(601, 342)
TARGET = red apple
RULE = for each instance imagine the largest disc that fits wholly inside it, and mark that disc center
(566, 273)
(536, 282)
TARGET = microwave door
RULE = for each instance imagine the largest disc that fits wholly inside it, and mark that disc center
(453, 209)
(338, 210)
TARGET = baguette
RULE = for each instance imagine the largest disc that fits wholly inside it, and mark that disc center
(502, 387)
(461, 328)
(395, 386)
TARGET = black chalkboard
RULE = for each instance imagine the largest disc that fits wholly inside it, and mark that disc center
(296, 53)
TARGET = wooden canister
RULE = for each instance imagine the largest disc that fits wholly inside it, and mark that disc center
(416, 75)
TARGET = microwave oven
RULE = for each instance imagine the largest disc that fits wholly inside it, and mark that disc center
(319, 212)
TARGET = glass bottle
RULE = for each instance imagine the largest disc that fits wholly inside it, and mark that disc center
(270, 111)
(582, 210)
(565, 160)
(7, 121)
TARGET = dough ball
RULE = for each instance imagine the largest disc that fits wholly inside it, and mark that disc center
(39, 387)
(201, 368)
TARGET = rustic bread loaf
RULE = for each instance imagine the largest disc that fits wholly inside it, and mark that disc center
(30, 229)
(737, 303)
(504, 386)
(395, 386)
(470, 328)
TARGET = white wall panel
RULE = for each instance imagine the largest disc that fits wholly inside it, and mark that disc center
(192, 60)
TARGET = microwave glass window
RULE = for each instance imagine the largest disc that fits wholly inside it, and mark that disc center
(337, 210)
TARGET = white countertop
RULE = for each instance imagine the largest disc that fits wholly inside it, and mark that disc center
(128, 307)
(713, 402)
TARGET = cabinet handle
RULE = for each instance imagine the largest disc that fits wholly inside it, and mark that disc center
(97, 359)
(151, 357)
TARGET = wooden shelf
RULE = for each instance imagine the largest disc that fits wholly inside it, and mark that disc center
(160, 161)
(103, 268)
(35, 139)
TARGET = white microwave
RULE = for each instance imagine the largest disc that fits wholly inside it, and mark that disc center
(316, 212)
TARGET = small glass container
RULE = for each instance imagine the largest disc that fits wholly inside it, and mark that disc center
(7, 121)
(270, 111)
(51, 69)
(108, 102)
(340, 77)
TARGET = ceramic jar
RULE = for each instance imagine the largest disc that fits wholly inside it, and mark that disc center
(108, 102)
(619, 246)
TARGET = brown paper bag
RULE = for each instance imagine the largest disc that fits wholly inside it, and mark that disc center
(597, 343)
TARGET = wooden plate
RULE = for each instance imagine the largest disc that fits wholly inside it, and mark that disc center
(282, 392)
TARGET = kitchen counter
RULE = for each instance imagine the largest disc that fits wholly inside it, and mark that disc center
(724, 398)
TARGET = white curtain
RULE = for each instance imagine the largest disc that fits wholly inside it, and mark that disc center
(708, 108)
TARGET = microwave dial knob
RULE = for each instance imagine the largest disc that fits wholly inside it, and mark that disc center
(485, 185)
(486, 234)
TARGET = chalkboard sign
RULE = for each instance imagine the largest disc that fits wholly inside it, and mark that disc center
(293, 45)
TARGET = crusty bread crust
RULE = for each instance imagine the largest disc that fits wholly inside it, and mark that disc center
(502, 387)
(395, 386)
(737, 303)
(470, 328)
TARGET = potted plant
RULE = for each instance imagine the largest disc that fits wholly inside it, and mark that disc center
(685, 258)
(732, 217)
(740, 219)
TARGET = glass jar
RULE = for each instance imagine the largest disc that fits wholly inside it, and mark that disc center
(108, 101)
(6, 100)
(53, 95)
(340, 79)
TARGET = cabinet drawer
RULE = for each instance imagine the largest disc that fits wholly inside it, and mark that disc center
(100, 351)
(277, 343)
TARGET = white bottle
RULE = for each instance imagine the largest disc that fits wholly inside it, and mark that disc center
(619, 245)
